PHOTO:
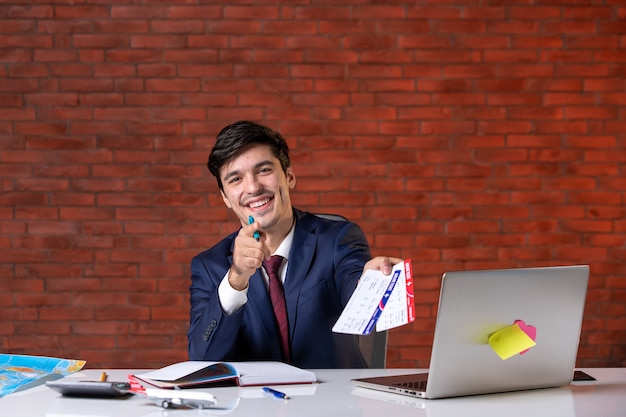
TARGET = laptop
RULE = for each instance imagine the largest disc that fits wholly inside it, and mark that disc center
(556, 402)
(473, 305)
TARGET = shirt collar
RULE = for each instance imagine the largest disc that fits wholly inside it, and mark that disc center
(285, 246)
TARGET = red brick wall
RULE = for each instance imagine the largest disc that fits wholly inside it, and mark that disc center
(457, 134)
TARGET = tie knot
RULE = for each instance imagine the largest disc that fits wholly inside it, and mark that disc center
(271, 265)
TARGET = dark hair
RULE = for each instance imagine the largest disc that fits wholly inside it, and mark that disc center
(234, 138)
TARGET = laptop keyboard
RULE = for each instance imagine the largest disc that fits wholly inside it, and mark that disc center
(418, 385)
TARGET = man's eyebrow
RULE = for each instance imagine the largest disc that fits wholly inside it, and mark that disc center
(257, 166)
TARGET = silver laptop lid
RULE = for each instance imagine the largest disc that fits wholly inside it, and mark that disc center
(475, 304)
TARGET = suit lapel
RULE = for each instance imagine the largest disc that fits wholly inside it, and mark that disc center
(300, 259)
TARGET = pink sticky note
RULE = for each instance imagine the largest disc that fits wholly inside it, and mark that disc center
(531, 331)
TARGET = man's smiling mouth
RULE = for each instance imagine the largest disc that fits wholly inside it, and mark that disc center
(260, 203)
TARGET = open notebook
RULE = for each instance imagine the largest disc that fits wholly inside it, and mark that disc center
(474, 305)
(197, 373)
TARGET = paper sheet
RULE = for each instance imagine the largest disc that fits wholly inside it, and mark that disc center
(20, 371)
(382, 300)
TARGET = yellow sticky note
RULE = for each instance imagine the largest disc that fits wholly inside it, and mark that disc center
(510, 341)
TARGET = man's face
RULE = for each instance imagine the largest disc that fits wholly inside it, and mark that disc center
(255, 185)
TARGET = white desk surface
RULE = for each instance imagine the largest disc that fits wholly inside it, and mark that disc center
(336, 396)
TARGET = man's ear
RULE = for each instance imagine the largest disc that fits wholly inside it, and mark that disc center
(225, 199)
(291, 178)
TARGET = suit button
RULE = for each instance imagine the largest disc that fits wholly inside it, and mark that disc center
(209, 330)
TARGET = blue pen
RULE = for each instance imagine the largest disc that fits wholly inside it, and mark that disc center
(275, 393)
(256, 235)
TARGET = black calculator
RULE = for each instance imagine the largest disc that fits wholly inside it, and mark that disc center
(90, 388)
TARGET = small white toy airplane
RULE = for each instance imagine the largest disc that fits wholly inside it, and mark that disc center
(178, 398)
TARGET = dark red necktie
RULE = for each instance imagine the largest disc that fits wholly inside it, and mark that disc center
(277, 295)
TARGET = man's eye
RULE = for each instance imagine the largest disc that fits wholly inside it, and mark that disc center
(233, 180)
(265, 170)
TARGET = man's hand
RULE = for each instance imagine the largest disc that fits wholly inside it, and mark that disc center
(248, 256)
(382, 263)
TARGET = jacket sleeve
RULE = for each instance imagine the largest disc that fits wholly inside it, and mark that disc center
(212, 333)
(351, 252)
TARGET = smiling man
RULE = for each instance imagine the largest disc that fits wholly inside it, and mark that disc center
(273, 289)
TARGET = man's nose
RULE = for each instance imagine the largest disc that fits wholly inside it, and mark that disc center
(253, 185)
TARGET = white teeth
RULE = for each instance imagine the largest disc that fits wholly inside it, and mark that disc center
(259, 203)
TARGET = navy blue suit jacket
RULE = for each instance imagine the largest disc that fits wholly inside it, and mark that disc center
(325, 263)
